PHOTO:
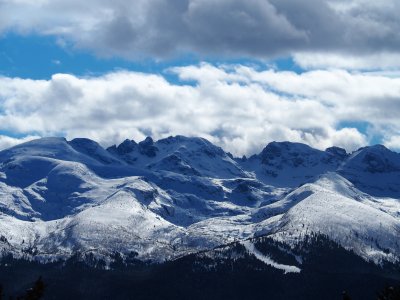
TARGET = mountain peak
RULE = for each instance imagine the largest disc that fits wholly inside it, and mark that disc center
(126, 146)
(48, 147)
(84, 142)
(337, 151)
(196, 141)
(147, 147)
(147, 141)
(376, 147)
(92, 149)
(287, 152)
(374, 159)
(286, 146)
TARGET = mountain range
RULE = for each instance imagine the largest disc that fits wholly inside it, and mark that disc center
(159, 202)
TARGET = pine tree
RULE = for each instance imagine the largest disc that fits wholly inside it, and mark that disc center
(390, 293)
(345, 296)
(37, 291)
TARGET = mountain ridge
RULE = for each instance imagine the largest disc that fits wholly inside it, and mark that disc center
(168, 198)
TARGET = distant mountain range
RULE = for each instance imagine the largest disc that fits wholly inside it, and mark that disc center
(183, 198)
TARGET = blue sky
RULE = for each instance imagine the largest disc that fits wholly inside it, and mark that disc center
(39, 57)
(252, 72)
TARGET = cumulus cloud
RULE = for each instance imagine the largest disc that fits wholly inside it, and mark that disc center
(235, 106)
(354, 96)
(393, 142)
(6, 141)
(352, 32)
(381, 60)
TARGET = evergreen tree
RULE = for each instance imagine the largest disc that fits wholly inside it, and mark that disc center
(37, 291)
(390, 293)
(345, 296)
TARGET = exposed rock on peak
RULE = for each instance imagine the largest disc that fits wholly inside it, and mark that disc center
(126, 146)
(147, 147)
(337, 151)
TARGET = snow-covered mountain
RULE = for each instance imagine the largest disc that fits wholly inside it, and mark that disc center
(157, 201)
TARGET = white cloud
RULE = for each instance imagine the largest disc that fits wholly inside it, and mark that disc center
(348, 138)
(6, 141)
(326, 60)
(393, 142)
(237, 107)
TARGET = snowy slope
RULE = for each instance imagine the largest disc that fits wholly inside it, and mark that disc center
(357, 221)
(161, 200)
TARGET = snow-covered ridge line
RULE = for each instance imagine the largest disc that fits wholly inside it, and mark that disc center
(158, 200)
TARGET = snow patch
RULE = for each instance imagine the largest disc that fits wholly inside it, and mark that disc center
(267, 260)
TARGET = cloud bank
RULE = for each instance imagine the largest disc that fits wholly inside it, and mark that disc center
(238, 107)
(6, 141)
(353, 32)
